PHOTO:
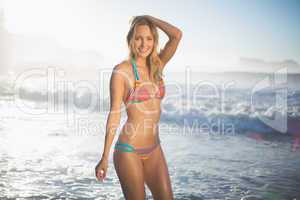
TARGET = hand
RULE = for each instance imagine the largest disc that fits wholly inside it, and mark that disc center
(101, 169)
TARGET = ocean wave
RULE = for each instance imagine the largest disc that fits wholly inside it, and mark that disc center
(240, 108)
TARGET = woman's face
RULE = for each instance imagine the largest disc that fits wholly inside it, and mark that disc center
(143, 41)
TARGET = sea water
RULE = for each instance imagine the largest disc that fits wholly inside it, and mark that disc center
(47, 157)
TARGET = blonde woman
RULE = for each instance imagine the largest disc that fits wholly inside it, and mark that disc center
(137, 82)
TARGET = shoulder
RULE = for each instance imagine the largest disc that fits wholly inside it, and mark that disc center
(121, 70)
(122, 66)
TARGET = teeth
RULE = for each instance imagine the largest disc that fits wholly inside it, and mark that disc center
(143, 51)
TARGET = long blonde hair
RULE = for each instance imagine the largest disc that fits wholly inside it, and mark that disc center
(153, 60)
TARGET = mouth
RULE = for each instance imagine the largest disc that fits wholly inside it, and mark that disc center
(143, 50)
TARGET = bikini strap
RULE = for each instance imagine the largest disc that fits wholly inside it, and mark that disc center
(136, 74)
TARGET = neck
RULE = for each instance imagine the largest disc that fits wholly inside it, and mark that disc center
(141, 62)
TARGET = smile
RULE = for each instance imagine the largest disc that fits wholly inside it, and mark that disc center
(143, 51)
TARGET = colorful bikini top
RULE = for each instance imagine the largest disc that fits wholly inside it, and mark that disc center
(139, 92)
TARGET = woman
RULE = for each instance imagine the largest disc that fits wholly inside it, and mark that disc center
(138, 157)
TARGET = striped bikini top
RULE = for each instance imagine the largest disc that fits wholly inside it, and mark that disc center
(139, 93)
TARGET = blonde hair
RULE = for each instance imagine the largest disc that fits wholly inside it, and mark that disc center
(153, 60)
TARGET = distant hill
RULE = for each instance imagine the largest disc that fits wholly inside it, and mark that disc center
(20, 52)
(260, 65)
(238, 79)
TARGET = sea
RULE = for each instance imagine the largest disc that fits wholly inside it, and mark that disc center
(220, 142)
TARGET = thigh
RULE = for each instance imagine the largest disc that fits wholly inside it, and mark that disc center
(129, 169)
(157, 175)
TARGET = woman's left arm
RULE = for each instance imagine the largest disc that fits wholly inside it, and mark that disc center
(174, 35)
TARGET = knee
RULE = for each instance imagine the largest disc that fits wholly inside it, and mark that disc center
(137, 194)
(165, 193)
(164, 196)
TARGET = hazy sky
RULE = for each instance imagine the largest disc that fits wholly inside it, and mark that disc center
(215, 33)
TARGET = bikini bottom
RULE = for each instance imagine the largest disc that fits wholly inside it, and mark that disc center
(143, 153)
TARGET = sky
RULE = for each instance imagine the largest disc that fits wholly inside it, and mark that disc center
(216, 34)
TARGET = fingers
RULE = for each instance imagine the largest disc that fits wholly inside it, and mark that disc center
(100, 174)
(100, 170)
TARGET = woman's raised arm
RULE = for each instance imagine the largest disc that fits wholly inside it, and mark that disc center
(174, 35)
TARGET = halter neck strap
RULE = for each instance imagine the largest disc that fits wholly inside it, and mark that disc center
(136, 74)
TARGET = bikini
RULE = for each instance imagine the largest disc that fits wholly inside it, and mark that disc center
(139, 94)
(143, 153)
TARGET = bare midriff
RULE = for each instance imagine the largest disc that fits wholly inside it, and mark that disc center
(141, 127)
